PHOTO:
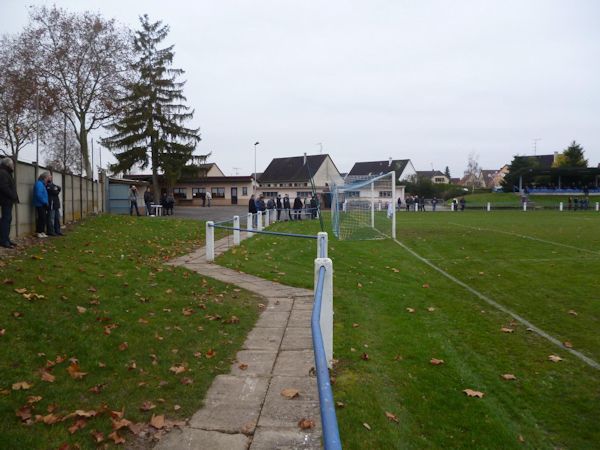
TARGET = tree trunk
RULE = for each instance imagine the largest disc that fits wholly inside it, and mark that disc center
(155, 186)
(83, 143)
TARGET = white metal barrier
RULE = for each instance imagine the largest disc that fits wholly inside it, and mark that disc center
(236, 233)
(326, 320)
(210, 241)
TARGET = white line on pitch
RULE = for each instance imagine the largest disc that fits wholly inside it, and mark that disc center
(524, 236)
(590, 362)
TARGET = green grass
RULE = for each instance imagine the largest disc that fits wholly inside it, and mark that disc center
(549, 405)
(511, 200)
(113, 266)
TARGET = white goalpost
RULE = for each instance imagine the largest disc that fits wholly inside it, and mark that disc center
(365, 208)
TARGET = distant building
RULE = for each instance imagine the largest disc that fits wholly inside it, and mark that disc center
(435, 176)
(362, 170)
(292, 176)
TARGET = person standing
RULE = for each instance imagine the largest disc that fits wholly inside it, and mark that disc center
(208, 198)
(133, 200)
(279, 206)
(313, 207)
(434, 202)
(298, 207)
(53, 224)
(148, 200)
(8, 197)
(170, 203)
(40, 201)
(287, 207)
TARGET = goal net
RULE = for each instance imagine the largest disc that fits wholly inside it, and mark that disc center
(365, 208)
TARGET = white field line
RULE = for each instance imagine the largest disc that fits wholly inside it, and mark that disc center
(590, 362)
(524, 236)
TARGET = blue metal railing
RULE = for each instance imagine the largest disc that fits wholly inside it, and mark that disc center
(331, 433)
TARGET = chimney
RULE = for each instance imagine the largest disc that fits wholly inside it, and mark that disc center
(390, 162)
(304, 163)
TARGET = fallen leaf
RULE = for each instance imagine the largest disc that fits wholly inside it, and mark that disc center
(120, 423)
(97, 389)
(116, 438)
(136, 428)
(573, 312)
(142, 320)
(506, 330)
(410, 310)
(472, 393)
(431, 309)
(98, 436)
(49, 419)
(176, 407)
(157, 422)
(83, 413)
(436, 362)
(34, 399)
(355, 325)
(81, 309)
(75, 371)
(359, 286)
(21, 290)
(186, 381)
(123, 346)
(509, 376)
(555, 358)
(391, 417)
(2, 331)
(243, 366)
(47, 376)
(290, 393)
(177, 369)
(521, 439)
(210, 354)
(306, 424)
(367, 426)
(364, 356)
(340, 404)
(232, 319)
(24, 413)
(78, 425)
(426, 286)
(187, 311)
(147, 406)
(568, 344)
(21, 385)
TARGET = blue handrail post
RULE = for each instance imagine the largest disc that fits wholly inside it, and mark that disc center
(322, 240)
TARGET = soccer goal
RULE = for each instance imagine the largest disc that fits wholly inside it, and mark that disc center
(365, 208)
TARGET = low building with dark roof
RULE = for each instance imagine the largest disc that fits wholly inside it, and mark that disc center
(368, 169)
(292, 176)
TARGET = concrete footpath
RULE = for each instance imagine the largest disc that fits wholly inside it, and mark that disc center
(245, 409)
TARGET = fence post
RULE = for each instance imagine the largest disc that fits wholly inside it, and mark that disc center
(326, 322)
(267, 217)
(210, 241)
(259, 222)
(236, 233)
(597, 206)
(489, 207)
(524, 206)
(249, 221)
(560, 206)
(322, 241)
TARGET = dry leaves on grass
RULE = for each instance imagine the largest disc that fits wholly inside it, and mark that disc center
(392, 417)
(472, 393)
(568, 344)
(210, 354)
(75, 371)
(290, 393)
(47, 376)
(21, 385)
(506, 330)
(78, 425)
(147, 406)
(410, 310)
(243, 366)
(509, 376)
(367, 426)
(555, 358)
(157, 422)
(436, 362)
(116, 438)
(177, 369)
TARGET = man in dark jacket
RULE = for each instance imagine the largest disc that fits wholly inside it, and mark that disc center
(8, 197)
(287, 206)
(148, 200)
(298, 208)
(279, 207)
(53, 220)
(313, 207)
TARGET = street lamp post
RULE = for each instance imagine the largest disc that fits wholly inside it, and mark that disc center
(254, 185)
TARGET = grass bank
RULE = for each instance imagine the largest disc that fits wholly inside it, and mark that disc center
(96, 322)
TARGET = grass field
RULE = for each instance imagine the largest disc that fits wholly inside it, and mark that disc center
(96, 322)
(394, 313)
(510, 200)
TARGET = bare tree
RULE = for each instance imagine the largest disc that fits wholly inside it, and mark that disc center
(84, 58)
(473, 172)
(22, 115)
(62, 149)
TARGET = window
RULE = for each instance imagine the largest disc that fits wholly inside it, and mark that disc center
(439, 180)
(270, 194)
(280, 184)
(217, 192)
(244, 191)
(352, 194)
(196, 192)
(305, 184)
(303, 194)
(387, 194)
(180, 192)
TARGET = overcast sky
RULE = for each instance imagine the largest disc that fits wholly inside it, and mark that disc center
(431, 81)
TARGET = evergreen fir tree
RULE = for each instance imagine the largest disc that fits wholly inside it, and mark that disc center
(447, 173)
(150, 131)
(572, 156)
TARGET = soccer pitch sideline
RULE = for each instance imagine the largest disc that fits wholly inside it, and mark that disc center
(509, 301)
